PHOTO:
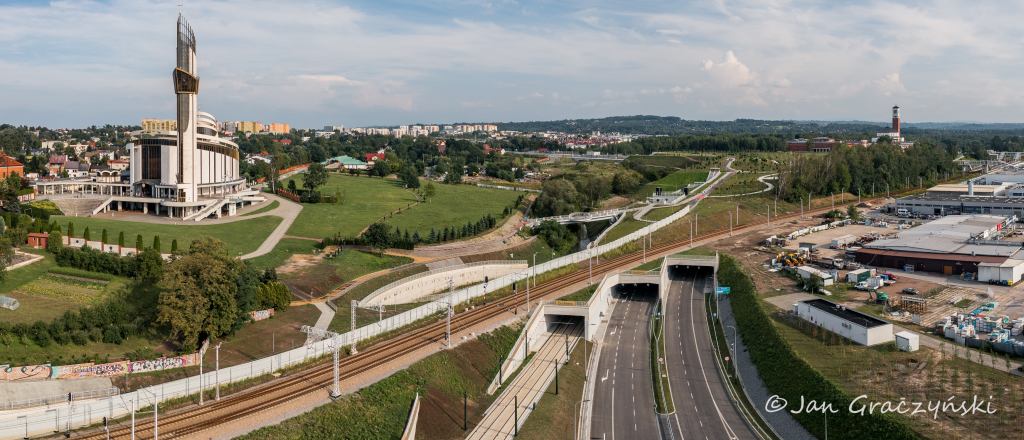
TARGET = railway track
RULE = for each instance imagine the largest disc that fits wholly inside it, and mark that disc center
(196, 419)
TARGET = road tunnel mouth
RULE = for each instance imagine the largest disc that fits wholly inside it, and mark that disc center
(689, 273)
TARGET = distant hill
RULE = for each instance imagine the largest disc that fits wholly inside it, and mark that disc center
(671, 125)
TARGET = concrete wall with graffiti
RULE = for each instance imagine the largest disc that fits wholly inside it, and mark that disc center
(259, 315)
(46, 371)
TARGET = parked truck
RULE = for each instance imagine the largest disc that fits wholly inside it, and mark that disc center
(830, 263)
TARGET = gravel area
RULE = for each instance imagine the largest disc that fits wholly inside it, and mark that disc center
(782, 422)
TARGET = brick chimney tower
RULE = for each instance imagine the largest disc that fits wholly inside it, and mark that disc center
(896, 119)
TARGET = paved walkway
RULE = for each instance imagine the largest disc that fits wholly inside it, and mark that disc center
(288, 211)
(11, 391)
(528, 386)
(326, 315)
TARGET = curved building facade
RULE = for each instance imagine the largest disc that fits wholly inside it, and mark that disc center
(180, 168)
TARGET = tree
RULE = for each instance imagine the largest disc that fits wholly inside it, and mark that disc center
(86, 235)
(201, 292)
(381, 169)
(6, 257)
(316, 176)
(138, 243)
(559, 198)
(853, 213)
(429, 190)
(174, 246)
(71, 229)
(120, 239)
(150, 266)
(156, 243)
(409, 177)
(54, 242)
(291, 186)
(105, 238)
(378, 236)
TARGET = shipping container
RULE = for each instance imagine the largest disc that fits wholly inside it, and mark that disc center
(842, 241)
(857, 276)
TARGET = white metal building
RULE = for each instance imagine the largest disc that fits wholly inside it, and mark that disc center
(858, 327)
(907, 341)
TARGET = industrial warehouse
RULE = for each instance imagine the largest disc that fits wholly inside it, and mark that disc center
(953, 245)
(1000, 192)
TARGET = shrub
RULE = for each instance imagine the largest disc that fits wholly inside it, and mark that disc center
(42, 338)
(314, 197)
(112, 335)
(127, 330)
(95, 334)
(80, 337)
(62, 338)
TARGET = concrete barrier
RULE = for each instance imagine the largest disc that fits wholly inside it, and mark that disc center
(411, 288)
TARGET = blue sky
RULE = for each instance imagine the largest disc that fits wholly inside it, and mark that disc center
(313, 63)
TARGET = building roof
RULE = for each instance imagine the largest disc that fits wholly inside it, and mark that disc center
(374, 156)
(934, 256)
(845, 313)
(344, 160)
(8, 161)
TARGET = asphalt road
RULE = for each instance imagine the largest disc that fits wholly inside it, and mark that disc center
(702, 404)
(624, 395)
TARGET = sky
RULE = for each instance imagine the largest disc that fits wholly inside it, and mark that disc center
(311, 63)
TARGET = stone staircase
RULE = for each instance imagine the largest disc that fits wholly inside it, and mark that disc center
(78, 207)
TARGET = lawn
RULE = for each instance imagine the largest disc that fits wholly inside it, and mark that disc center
(329, 274)
(740, 183)
(284, 249)
(583, 294)
(243, 236)
(365, 200)
(273, 205)
(521, 252)
(454, 205)
(626, 227)
(660, 213)
(674, 181)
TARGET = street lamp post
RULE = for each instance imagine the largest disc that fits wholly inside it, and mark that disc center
(730, 223)
(769, 214)
(216, 376)
(535, 269)
(801, 207)
(858, 195)
(776, 207)
(691, 233)
(833, 201)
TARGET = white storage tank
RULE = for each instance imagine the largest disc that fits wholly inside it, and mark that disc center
(907, 341)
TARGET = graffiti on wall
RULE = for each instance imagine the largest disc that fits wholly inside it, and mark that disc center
(46, 371)
(260, 315)
(30, 372)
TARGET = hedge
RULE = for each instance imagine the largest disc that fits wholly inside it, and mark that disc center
(789, 376)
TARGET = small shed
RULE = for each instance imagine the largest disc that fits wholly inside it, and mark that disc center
(907, 341)
(37, 239)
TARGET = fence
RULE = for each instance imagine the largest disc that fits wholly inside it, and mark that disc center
(508, 188)
(437, 271)
(44, 420)
(60, 398)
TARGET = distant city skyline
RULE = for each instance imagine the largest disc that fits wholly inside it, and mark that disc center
(312, 63)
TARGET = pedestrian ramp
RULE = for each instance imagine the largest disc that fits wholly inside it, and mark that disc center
(550, 349)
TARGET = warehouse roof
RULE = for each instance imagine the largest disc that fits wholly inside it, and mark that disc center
(935, 256)
(845, 313)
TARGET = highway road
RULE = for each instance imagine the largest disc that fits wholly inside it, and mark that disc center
(702, 404)
(623, 406)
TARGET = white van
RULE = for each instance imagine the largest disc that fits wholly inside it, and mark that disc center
(902, 211)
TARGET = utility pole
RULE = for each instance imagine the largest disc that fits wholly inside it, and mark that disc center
(448, 320)
(352, 327)
(691, 233)
(556, 376)
(801, 207)
(833, 201)
(335, 346)
(515, 423)
(134, 404)
(730, 223)
(201, 355)
(858, 195)
(769, 214)
(776, 208)
(527, 293)
(216, 376)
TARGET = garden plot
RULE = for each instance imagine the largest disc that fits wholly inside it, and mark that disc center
(66, 288)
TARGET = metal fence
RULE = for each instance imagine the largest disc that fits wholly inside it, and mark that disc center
(92, 394)
(43, 419)
(508, 188)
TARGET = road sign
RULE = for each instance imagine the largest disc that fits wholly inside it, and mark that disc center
(727, 358)
(661, 360)
(722, 290)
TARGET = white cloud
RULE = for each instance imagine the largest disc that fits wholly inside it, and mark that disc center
(729, 73)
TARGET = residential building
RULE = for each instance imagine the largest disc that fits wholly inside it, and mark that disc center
(118, 164)
(278, 128)
(10, 166)
(345, 162)
(56, 164)
(248, 127)
(159, 125)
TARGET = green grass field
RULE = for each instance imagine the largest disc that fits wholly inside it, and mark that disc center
(273, 205)
(740, 183)
(243, 236)
(674, 181)
(628, 226)
(284, 249)
(330, 274)
(365, 199)
(454, 205)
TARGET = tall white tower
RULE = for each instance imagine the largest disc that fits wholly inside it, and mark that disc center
(896, 119)
(186, 86)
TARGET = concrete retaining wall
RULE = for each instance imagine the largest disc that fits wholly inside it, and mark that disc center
(438, 282)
